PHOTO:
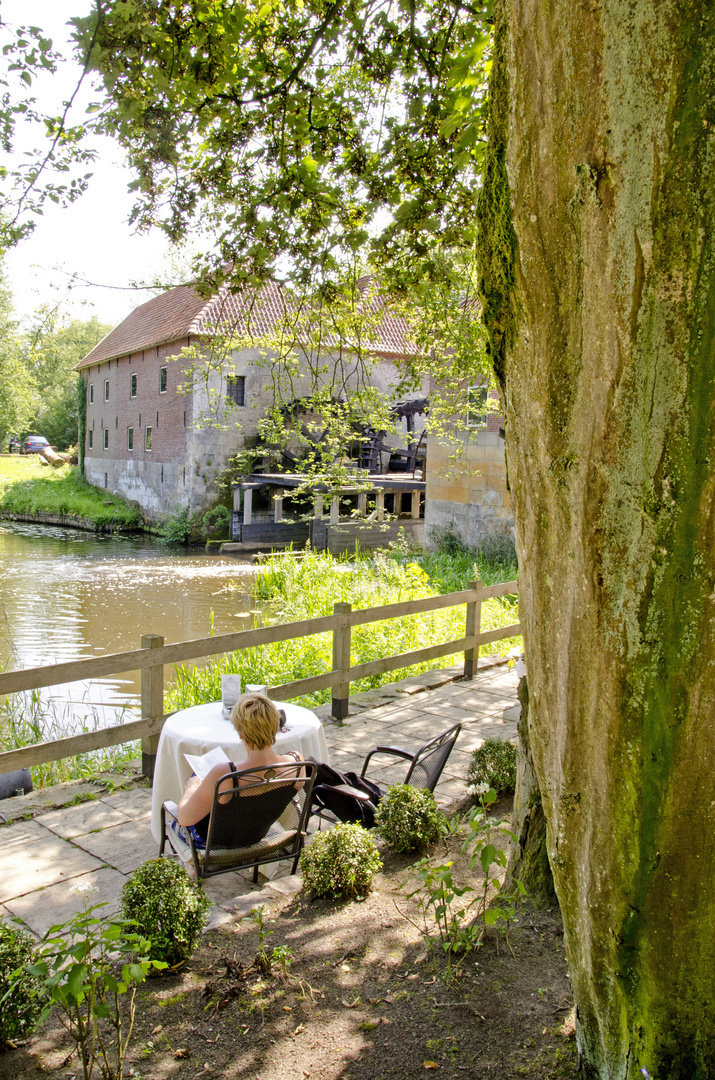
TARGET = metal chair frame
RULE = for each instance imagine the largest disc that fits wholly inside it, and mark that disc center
(442, 744)
(262, 782)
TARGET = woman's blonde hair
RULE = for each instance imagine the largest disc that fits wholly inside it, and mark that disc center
(256, 720)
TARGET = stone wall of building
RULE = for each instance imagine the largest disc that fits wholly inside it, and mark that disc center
(193, 436)
(466, 487)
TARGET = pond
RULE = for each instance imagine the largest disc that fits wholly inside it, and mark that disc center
(69, 595)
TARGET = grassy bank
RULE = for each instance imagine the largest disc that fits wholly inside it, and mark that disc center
(291, 589)
(27, 487)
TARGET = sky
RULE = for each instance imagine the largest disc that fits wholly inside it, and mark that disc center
(92, 237)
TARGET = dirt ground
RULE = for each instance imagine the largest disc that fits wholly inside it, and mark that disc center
(363, 1000)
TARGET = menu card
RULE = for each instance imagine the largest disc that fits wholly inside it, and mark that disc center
(203, 764)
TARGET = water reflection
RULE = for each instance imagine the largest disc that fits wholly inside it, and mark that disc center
(66, 594)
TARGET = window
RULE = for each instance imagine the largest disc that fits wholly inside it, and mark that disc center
(477, 407)
(236, 389)
(91, 393)
(133, 391)
(90, 439)
(130, 438)
(106, 389)
(162, 380)
(147, 439)
(106, 438)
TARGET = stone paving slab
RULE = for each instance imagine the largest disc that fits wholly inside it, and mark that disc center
(33, 859)
(78, 820)
(136, 804)
(123, 846)
(57, 903)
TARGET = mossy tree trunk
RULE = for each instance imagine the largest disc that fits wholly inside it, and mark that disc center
(597, 237)
(528, 856)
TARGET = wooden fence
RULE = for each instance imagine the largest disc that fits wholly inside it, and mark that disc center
(154, 655)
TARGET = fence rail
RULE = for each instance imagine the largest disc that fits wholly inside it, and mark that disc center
(153, 655)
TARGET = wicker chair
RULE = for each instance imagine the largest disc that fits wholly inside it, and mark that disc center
(261, 819)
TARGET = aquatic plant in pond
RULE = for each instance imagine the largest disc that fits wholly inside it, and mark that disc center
(292, 588)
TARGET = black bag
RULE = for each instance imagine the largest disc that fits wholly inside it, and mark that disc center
(329, 793)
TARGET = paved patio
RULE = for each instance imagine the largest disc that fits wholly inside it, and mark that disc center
(52, 839)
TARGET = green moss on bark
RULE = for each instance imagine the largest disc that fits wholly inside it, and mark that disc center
(496, 239)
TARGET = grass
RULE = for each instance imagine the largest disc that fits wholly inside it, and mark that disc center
(26, 487)
(291, 589)
(27, 718)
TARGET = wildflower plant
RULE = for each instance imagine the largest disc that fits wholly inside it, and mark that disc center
(456, 917)
(90, 968)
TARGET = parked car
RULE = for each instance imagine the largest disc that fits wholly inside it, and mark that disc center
(34, 444)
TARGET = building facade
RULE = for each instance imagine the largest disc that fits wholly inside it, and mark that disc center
(147, 436)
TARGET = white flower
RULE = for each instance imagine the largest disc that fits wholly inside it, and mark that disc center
(478, 789)
(83, 888)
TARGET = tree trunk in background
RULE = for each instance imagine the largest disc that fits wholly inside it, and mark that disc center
(599, 284)
(528, 858)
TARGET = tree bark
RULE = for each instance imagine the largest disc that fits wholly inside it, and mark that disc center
(528, 856)
(599, 288)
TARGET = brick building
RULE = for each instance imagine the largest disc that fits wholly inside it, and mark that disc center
(144, 439)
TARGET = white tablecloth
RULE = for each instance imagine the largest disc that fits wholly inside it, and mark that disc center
(202, 727)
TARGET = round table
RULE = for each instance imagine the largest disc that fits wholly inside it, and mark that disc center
(202, 728)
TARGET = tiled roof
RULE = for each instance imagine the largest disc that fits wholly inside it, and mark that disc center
(181, 311)
(167, 317)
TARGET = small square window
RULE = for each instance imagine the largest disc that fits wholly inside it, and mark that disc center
(106, 438)
(162, 380)
(90, 439)
(147, 439)
(130, 438)
(477, 407)
(106, 389)
(91, 393)
(236, 389)
(133, 391)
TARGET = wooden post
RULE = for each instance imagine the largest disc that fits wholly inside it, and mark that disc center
(474, 621)
(152, 698)
(335, 510)
(416, 505)
(362, 503)
(247, 506)
(278, 507)
(380, 504)
(341, 664)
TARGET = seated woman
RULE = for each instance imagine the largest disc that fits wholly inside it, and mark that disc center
(256, 720)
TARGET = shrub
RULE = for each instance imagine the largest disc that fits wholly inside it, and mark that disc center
(216, 522)
(340, 862)
(169, 909)
(20, 1011)
(493, 764)
(408, 818)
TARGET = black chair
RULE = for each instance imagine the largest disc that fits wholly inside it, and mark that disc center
(261, 819)
(426, 764)
(347, 803)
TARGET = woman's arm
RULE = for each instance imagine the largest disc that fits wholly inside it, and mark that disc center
(198, 795)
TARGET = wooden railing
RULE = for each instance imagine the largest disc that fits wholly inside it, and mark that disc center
(153, 655)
